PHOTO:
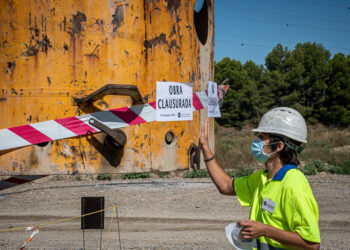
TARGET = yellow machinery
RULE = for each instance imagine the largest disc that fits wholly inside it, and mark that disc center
(54, 53)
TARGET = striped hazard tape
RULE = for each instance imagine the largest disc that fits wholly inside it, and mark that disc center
(18, 180)
(34, 233)
(79, 125)
(36, 229)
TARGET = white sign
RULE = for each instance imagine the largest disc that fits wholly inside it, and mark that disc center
(174, 101)
(213, 101)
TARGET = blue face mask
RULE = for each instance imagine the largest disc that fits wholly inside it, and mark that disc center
(257, 150)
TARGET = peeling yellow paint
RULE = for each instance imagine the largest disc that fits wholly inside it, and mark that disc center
(52, 51)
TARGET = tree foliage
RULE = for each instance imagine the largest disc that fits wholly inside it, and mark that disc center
(306, 79)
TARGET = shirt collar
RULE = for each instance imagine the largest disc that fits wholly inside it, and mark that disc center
(282, 172)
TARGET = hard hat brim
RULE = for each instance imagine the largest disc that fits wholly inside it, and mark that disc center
(279, 132)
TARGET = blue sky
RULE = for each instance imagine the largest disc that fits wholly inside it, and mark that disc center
(248, 30)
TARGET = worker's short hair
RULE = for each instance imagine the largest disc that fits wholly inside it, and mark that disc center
(288, 155)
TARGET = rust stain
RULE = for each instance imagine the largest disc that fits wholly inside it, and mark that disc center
(173, 44)
(173, 5)
(92, 56)
(13, 91)
(11, 66)
(160, 40)
(44, 44)
(29, 119)
(173, 31)
(63, 24)
(118, 18)
(33, 159)
(14, 166)
(31, 50)
(36, 44)
(76, 21)
(33, 27)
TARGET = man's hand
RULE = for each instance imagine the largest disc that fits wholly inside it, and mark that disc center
(222, 181)
(252, 229)
(203, 137)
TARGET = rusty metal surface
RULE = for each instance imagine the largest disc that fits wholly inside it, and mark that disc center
(52, 51)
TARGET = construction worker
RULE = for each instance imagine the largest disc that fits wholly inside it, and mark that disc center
(283, 210)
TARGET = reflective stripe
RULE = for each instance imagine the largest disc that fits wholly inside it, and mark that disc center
(264, 246)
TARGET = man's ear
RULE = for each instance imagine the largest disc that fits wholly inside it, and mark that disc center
(280, 146)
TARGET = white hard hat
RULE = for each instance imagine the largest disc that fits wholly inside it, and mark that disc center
(284, 121)
(233, 232)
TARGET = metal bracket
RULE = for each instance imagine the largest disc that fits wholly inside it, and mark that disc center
(113, 89)
(116, 138)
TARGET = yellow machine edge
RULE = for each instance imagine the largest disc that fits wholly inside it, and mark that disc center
(55, 52)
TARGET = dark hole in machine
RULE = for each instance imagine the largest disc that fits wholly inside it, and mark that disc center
(169, 137)
(43, 144)
(193, 152)
(200, 17)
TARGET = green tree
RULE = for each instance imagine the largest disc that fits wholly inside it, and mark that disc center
(277, 59)
(240, 100)
(304, 78)
(276, 85)
(338, 93)
(311, 66)
(254, 72)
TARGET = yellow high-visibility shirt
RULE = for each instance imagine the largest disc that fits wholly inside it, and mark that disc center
(285, 202)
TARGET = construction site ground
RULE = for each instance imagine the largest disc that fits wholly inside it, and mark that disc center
(154, 213)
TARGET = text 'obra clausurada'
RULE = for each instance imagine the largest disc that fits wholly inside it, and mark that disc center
(175, 101)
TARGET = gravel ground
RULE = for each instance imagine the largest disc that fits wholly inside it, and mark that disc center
(167, 213)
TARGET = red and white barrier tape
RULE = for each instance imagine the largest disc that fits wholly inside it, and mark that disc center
(79, 125)
(29, 239)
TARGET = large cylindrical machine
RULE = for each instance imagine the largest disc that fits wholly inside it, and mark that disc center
(55, 52)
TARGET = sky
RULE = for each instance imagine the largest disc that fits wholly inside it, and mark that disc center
(250, 29)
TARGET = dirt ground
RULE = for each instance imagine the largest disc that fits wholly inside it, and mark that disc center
(167, 213)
